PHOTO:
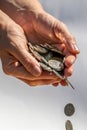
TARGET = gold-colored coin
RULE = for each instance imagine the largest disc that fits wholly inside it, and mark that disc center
(68, 125)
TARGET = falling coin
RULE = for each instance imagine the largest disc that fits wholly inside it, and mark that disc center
(68, 125)
(69, 109)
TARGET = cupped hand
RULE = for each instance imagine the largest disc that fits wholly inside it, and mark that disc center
(16, 59)
(43, 28)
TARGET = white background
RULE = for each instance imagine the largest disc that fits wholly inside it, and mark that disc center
(42, 108)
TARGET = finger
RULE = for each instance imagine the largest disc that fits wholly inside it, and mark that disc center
(62, 33)
(55, 84)
(69, 60)
(19, 49)
(55, 31)
(60, 47)
(27, 60)
(63, 83)
(38, 82)
(68, 71)
(13, 67)
(22, 73)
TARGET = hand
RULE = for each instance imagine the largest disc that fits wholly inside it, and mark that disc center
(44, 28)
(15, 56)
(40, 27)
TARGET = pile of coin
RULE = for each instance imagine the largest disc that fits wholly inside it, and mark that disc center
(69, 111)
(50, 59)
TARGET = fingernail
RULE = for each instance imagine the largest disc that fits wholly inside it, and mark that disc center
(75, 48)
(37, 71)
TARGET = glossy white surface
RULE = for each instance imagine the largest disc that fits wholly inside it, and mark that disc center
(42, 108)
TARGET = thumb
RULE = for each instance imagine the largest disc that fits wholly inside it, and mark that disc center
(28, 61)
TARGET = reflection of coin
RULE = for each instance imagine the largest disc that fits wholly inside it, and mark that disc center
(69, 109)
(68, 125)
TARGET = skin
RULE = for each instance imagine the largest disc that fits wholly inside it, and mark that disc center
(16, 60)
(31, 23)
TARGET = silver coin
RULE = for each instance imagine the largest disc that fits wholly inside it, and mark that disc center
(56, 64)
(69, 109)
(68, 125)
